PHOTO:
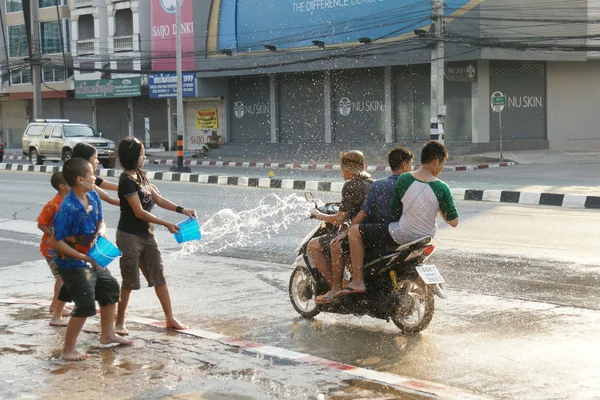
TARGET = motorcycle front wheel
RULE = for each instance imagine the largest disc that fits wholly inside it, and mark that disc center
(302, 293)
(416, 306)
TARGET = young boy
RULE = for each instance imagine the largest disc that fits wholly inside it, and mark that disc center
(76, 225)
(57, 306)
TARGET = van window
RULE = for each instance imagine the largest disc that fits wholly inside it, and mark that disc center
(47, 132)
(35, 130)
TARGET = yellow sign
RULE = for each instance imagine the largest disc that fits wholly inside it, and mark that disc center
(207, 119)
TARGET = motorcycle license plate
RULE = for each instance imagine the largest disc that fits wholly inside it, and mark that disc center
(430, 274)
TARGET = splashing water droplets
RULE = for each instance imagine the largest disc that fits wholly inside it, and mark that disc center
(229, 229)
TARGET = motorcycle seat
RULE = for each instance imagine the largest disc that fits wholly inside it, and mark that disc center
(407, 247)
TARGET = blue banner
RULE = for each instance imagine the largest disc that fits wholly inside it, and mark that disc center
(248, 25)
(164, 85)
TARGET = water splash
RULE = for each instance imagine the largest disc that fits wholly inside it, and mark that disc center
(229, 229)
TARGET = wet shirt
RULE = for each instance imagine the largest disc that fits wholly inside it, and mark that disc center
(377, 203)
(76, 226)
(128, 222)
(45, 218)
(353, 196)
(421, 202)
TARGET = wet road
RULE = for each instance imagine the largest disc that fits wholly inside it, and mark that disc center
(522, 320)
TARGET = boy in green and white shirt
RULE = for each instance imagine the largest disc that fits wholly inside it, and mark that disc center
(418, 197)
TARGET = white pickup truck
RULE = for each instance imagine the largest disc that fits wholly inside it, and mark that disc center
(54, 139)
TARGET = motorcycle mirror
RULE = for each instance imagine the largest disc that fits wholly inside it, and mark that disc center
(309, 196)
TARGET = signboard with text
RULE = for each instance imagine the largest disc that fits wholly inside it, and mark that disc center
(164, 35)
(207, 119)
(108, 88)
(164, 85)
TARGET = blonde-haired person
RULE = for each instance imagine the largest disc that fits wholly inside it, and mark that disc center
(354, 192)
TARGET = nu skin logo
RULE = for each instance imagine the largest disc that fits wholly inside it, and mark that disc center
(239, 109)
(170, 6)
(345, 106)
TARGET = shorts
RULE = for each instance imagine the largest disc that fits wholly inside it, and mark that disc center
(325, 242)
(53, 267)
(376, 237)
(87, 285)
(140, 253)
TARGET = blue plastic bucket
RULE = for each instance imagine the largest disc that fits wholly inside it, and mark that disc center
(190, 230)
(103, 252)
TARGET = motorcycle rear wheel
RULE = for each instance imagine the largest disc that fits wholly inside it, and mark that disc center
(417, 306)
(302, 293)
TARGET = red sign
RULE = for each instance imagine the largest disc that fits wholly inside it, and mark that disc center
(164, 35)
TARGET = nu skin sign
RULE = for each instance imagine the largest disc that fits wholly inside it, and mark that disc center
(249, 24)
(164, 35)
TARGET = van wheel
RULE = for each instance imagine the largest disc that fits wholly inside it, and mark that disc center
(67, 154)
(34, 158)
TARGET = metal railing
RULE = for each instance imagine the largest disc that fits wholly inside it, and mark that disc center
(83, 3)
(85, 47)
(123, 43)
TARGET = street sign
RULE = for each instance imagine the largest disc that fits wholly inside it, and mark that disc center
(498, 101)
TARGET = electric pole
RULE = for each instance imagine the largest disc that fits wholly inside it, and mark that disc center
(180, 123)
(36, 59)
(438, 108)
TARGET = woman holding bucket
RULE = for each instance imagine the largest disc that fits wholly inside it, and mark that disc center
(135, 233)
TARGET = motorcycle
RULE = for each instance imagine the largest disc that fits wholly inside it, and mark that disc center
(400, 287)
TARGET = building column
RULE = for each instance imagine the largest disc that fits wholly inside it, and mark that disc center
(389, 105)
(327, 100)
(273, 107)
(480, 104)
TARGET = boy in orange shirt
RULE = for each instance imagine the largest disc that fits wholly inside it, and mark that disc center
(44, 224)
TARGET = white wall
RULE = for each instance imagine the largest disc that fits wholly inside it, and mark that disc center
(573, 93)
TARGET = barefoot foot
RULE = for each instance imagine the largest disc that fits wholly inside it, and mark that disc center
(174, 324)
(113, 338)
(57, 322)
(74, 355)
(121, 330)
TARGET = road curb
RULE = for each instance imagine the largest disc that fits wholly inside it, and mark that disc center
(498, 196)
(409, 385)
(312, 166)
(305, 166)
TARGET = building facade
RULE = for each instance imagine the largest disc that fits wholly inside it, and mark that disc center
(330, 72)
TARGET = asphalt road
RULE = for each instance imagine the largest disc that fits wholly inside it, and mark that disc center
(521, 321)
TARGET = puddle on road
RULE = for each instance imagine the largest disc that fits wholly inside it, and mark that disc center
(30, 313)
(358, 389)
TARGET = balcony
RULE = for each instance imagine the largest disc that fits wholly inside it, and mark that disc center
(126, 43)
(83, 3)
(86, 47)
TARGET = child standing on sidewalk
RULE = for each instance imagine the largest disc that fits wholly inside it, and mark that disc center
(75, 227)
(57, 306)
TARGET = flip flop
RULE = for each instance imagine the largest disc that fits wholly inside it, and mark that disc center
(347, 291)
(325, 299)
